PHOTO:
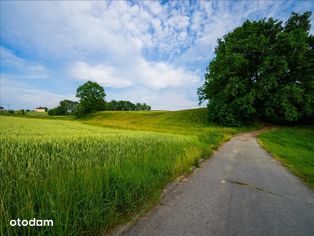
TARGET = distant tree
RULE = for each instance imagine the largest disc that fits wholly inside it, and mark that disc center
(55, 111)
(108, 106)
(138, 106)
(129, 106)
(123, 105)
(66, 107)
(91, 96)
(114, 105)
(145, 107)
(262, 69)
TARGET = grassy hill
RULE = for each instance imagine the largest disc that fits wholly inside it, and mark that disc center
(87, 174)
(189, 122)
(197, 118)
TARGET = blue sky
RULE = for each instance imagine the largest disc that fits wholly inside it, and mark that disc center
(147, 51)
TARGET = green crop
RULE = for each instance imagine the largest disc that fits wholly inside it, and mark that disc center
(87, 178)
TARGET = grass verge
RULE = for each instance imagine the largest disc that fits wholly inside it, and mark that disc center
(294, 147)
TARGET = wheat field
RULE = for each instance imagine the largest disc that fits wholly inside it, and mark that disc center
(88, 178)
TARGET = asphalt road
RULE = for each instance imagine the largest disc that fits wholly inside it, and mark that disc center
(241, 190)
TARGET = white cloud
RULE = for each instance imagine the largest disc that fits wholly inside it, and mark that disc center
(23, 68)
(126, 46)
(154, 75)
(102, 74)
(16, 95)
(8, 58)
(169, 99)
(153, 7)
(161, 75)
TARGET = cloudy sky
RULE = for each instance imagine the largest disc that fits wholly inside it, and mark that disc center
(146, 51)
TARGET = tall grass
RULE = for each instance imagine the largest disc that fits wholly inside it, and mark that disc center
(85, 183)
(84, 178)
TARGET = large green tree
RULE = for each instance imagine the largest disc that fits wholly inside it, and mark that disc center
(91, 96)
(262, 69)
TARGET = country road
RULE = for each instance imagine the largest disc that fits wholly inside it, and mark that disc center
(241, 190)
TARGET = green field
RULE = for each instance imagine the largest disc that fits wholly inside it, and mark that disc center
(185, 121)
(90, 174)
(294, 147)
(32, 114)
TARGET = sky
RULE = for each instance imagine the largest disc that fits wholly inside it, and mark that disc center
(142, 51)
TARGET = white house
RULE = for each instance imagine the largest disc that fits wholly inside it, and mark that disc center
(41, 109)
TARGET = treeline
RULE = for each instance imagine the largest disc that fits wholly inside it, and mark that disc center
(91, 99)
(68, 107)
(126, 106)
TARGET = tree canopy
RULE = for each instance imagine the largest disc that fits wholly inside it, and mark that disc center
(263, 69)
(91, 96)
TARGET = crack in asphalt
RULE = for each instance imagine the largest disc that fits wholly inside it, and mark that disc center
(252, 186)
